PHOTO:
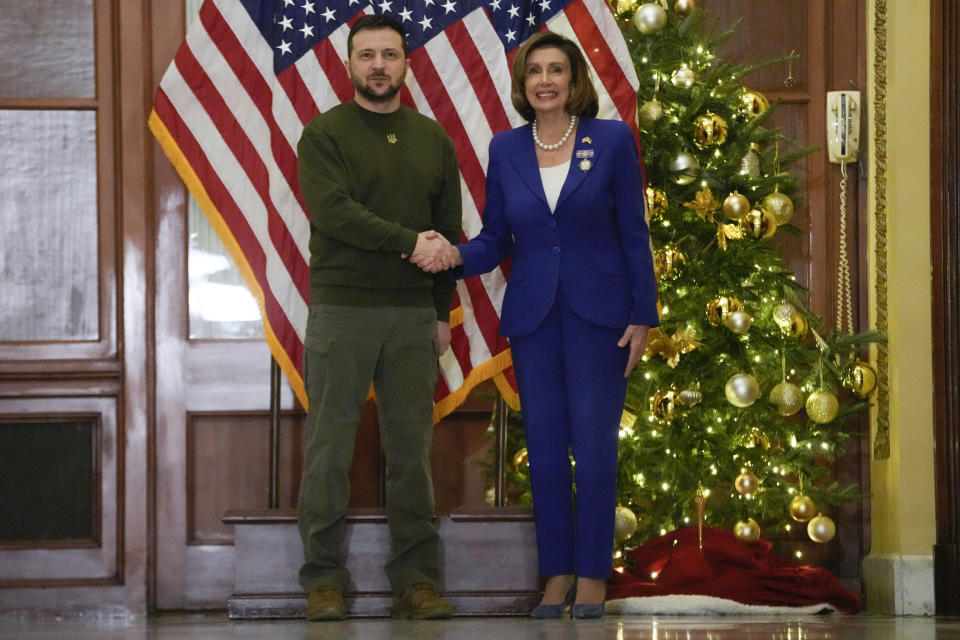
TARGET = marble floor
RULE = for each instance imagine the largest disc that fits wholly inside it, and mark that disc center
(213, 626)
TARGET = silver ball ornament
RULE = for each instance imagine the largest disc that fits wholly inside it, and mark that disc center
(821, 529)
(624, 523)
(684, 168)
(738, 322)
(683, 77)
(650, 18)
(742, 390)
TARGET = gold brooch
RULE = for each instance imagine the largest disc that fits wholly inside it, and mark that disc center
(392, 138)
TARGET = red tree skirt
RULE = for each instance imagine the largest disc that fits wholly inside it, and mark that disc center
(749, 574)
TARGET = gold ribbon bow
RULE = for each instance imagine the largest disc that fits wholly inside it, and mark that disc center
(670, 347)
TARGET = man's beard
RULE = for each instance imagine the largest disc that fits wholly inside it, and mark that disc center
(370, 94)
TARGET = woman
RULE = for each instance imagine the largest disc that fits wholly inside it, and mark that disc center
(564, 198)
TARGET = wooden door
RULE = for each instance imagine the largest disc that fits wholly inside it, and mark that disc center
(830, 38)
(212, 375)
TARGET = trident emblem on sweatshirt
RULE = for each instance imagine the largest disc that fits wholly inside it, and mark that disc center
(392, 138)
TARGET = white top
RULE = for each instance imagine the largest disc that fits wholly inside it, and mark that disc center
(553, 179)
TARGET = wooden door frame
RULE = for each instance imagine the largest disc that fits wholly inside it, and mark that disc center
(945, 262)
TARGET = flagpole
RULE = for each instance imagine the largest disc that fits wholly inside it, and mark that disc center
(274, 498)
(500, 468)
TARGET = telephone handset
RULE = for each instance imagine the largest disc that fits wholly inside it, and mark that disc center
(843, 143)
(843, 125)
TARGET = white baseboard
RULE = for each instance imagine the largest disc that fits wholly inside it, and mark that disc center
(899, 585)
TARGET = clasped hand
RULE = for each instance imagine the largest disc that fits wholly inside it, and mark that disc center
(434, 253)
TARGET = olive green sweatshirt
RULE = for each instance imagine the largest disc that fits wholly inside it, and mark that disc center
(372, 181)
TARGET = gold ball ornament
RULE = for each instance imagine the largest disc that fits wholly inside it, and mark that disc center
(821, 529)
(738, 322)
(650, 18)
(787, 397)
(684, 168)
(791, 322)
(736, 206)
(663, 404)
(689, 397)
(742, 390)
(822, 406)
(746, 483)
(683, 77)
(802, 508)
(657, 200)
(747, 531)
(756, 439)
(758, 223)
(649, 112)
(753, 103)
(625, 7)
(684, 7)
(719, 308)
(780, 206)
(859, 378)
(520, 459)
(709, 130)
(624, 523)
(666, 261)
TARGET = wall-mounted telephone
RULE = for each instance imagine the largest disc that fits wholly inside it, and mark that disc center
(843, 125)
(843, 143)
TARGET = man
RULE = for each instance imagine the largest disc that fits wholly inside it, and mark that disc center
(376, 177)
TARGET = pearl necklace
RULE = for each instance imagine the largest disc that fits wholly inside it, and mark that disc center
(558, 144)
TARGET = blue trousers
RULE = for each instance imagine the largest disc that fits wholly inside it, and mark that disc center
(570, 378)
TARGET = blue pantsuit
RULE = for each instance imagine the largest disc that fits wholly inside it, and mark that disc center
(579, 276)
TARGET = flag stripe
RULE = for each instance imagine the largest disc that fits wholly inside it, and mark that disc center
(252, 166)
(605, 65)
(257, 91)
(241, 233)
(469, 56)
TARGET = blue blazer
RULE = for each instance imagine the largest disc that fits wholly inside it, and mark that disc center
(596, 244)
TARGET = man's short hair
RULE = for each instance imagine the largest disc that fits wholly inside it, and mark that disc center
(376, 21)
(583, 99)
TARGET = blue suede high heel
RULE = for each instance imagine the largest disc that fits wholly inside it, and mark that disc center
(589, 610)
(555, 610)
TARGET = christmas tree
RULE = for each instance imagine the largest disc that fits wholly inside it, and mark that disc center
(743, 399)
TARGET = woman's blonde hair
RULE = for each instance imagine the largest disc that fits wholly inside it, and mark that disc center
(583, 99)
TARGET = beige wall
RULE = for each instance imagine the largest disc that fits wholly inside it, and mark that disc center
(903, 517)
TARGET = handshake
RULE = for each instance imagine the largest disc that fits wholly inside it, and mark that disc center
(434, 253)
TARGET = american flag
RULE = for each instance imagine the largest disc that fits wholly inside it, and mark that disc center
(252, 73)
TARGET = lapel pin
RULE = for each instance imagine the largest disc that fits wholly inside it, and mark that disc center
(585, 165)
(586, 140)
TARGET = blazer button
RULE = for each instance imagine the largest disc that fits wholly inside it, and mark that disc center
(556, 251)
(552, 224)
